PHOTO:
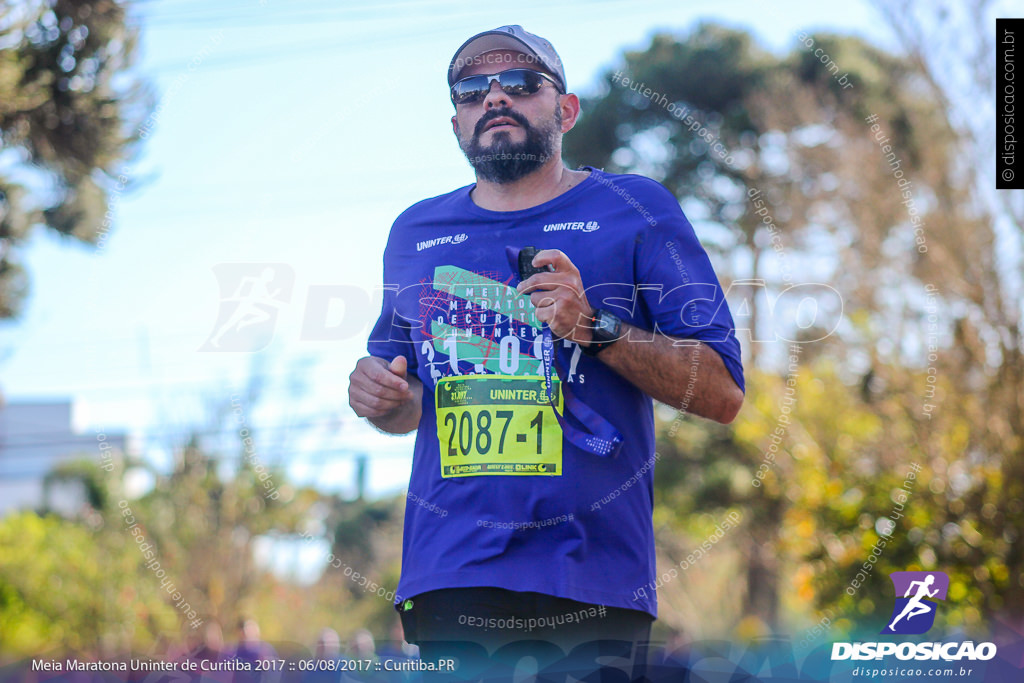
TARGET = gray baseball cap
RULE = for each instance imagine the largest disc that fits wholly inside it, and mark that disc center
(507, 38)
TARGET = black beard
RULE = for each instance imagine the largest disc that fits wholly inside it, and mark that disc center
(504, 161)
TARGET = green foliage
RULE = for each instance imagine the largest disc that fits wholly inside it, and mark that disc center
(65, 587)
(708, 76)
(847, 474)
(357, 523)
(87, 584)
(204, 521)
(94, 480)
(795, 128)
(69, 113)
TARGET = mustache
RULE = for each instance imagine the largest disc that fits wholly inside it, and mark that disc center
(497, 113)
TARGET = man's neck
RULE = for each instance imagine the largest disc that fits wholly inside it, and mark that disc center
(547, 182)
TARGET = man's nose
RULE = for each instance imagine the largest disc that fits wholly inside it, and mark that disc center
(496, 97)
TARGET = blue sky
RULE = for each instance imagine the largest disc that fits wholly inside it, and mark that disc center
(292, 133)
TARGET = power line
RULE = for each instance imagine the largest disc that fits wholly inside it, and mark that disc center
(190, 382)
(407, 42)
(327, 421)
(308, 456)
(281, 52)
(272, 14)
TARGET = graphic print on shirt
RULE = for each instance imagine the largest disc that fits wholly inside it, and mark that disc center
(483, 350)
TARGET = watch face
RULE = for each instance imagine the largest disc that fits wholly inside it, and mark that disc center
(606, 326)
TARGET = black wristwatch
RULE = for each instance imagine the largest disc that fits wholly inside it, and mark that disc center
(607, 328)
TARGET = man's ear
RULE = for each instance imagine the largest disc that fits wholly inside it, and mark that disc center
(570, 106)
(455, 126)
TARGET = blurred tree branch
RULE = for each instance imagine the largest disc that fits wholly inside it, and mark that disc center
(69, 111)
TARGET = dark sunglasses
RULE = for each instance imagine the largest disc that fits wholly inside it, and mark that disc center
(514, 82)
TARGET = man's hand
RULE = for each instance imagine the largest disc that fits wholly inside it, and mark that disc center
(559, 297)
(685, 374)
(383, 393)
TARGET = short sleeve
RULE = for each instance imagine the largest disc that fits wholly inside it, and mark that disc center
(679, 288)
(392, 334)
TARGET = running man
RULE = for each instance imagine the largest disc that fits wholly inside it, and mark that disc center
(530, 379)
(916, 606)
(253, 296)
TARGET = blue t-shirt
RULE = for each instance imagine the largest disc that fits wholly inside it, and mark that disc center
(497, 497)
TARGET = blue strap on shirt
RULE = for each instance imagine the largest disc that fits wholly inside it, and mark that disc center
(603, 438)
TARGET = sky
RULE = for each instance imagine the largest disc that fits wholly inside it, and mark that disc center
(292, 134)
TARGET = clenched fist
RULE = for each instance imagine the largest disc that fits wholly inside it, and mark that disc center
(383, 393)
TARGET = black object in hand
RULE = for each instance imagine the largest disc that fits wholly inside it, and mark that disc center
(526, 267)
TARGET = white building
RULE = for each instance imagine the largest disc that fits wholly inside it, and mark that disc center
(36, 437)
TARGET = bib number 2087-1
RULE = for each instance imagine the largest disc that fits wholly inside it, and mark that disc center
(496, 424)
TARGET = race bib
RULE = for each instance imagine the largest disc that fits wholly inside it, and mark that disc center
(496, 424)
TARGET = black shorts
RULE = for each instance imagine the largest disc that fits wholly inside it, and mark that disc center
(490, 631)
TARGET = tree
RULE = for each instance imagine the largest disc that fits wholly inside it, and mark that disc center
(69, 111)
(724, 119)
(797, 129)
(66, 587)
(979, 308)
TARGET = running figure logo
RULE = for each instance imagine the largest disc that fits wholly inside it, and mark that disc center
(251, 294)
(914, 612)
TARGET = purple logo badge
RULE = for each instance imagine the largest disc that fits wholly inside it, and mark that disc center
(914, 612)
